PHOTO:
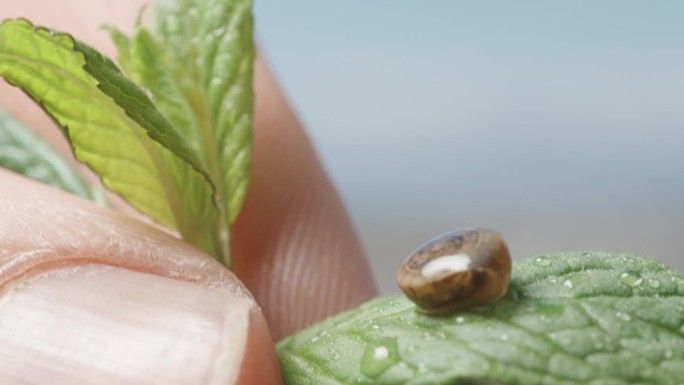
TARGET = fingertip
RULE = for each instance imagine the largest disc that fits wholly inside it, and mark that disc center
(93, 294)
(95, 323)
(260, 362)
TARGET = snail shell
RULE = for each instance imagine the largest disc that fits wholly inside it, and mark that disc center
(457, 270)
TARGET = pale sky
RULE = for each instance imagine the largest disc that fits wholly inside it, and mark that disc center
(424, 109)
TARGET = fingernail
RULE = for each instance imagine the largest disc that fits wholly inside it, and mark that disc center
(98, 324)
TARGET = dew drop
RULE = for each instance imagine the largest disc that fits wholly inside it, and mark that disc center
(567, 283)
(148, 93)
(543, 261)
(460, 320)
(631, 280)
(380, 355)
(654, 283)
(623, 316)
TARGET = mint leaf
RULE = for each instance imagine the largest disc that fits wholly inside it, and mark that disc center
(586, 318)
(114, 128)
(214, 37)
(24, 153)
(197, 62)
(210, 43)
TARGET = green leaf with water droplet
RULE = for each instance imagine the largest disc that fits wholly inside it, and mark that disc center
(197, 62)
(113, 127)
(24, 153)
(568, 319)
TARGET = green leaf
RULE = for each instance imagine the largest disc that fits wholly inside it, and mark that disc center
(123, 44)
(24, 153)
(586, 318)
(113, 127)
(198, 64)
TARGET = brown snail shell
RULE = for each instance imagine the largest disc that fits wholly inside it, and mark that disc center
(456, 271)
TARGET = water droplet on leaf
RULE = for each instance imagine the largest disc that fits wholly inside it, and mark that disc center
(631, 280)
(543, 261)
(380, 355)
(623, 316)
(148, 93)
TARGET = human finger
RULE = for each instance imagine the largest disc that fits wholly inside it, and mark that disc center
(294, 246)
(89, 295)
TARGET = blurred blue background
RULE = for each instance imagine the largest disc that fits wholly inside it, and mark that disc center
(560, 124)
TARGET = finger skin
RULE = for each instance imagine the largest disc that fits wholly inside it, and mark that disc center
(294, 246)
(89, 295)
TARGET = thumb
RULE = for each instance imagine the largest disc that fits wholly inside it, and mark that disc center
(88, 295)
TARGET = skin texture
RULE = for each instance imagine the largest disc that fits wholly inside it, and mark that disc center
(168, 305)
